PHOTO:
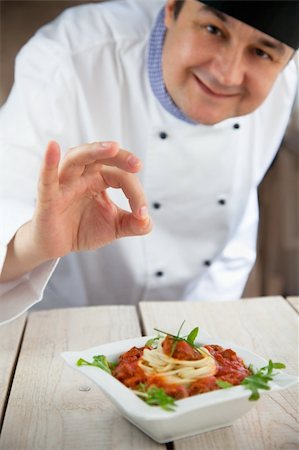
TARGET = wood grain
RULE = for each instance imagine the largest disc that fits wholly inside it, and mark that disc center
(10, 340)
(46, 408)
(294, 302)
(267, 326)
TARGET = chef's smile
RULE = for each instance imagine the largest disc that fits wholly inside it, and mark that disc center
(211, 91)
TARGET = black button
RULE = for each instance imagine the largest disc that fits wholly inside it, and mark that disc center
(221, 201)
(207, 263)
(236, 126)
(159, 273)
(163, 135)
(156, 205)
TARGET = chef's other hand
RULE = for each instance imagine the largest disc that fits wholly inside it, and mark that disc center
(73, 209)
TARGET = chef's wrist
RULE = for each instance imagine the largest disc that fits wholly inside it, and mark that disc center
(23, 254)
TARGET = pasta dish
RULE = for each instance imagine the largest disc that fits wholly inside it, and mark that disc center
(173, 367)
(180, 368)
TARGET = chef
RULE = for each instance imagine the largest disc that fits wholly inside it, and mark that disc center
(132, 145)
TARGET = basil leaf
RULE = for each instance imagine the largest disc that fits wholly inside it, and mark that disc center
(192, 335)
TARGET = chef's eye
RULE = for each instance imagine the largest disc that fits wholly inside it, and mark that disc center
(213, 30)
(261, 54)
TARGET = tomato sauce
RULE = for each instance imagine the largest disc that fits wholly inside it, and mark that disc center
(230, 368)
(180, 349)
(176, 391)
(127, 370)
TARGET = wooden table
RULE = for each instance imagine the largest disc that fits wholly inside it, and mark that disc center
(294, 301)
(44, 404)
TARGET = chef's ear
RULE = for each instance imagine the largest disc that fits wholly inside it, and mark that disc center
(170, 8)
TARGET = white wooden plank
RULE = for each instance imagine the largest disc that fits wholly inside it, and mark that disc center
(294, 301)
(46, 409)
(10, 341)
(267, 326)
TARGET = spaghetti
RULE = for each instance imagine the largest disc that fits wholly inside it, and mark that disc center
(177, 371)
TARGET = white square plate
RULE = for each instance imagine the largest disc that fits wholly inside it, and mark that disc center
(193, 415)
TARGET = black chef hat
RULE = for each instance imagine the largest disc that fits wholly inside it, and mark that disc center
(279, 19)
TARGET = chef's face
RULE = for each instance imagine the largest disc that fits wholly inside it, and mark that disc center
(215, 66)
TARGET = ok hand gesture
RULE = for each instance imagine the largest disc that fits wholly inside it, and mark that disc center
(73, 210)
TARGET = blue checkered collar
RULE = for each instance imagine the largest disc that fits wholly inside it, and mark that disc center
(155, 70)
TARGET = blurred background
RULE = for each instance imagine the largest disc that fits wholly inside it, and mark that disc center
(276, 271)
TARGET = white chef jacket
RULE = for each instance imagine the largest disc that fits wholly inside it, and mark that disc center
(84, 78)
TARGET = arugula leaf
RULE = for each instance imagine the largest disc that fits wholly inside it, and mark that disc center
(153, 342)
(254, 395)
(278, 365)
(258, 381)
(112, 365)
(155, 396)
(260, 378)
(98, 361)
(223, 384)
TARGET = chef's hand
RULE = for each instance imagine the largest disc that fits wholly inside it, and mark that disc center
(73, 210)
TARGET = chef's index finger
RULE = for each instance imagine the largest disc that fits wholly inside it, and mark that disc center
(107, 153)
(77, 158)
(48, 179)
(124, 160)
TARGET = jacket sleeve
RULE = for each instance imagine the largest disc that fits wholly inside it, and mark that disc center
(35, 112)
(225, 279)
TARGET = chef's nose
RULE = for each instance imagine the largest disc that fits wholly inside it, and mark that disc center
(229, 66)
